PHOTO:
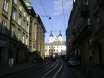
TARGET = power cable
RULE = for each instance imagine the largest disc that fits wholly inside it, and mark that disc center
(36, 4)
(46, 14)
(63, 13)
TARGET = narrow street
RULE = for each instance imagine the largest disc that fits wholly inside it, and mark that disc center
(54, 69)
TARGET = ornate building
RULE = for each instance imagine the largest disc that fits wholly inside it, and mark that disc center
(55, 45)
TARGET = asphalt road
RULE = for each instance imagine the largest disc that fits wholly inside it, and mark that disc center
(57, 69)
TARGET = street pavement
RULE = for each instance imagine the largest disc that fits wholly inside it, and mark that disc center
(88, 71)
(17, 68)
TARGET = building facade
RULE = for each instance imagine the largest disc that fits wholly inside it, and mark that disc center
(5, 13)
(36, 33)
(85, 31)
(55, 45)
(19, 30)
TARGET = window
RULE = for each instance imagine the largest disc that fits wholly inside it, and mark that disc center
(34, 44)
(28, 19)
(3, 26)
(27, 28)
(12, 32)
(89, 42)
(19, 20)
(90, 55)
(18, 35)
(86, 2)
(13, 14)
(15, 1)
(22, 38)
(97, 23)
(88, 21)
(24, 14)
(26, 40)
(20, 7)
(23, 24)
(5, 5)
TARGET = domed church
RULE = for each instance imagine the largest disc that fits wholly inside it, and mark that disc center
(55, 45)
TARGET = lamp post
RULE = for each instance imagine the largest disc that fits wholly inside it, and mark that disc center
(49, 17)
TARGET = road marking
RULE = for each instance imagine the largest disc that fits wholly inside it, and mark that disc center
(58, 70)
(50, 70)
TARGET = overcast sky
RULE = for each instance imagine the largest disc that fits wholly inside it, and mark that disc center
(58, 10)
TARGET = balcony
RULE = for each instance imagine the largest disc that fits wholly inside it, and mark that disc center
(101, 3)
(84, 11)
(84, 31)
(87, 30)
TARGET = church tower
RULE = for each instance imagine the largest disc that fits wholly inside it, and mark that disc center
(60, 36)
(51, 37)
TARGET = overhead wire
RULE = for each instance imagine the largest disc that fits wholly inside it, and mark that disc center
(63, 13)
(46, 14)
(41, 11)
(36, 4)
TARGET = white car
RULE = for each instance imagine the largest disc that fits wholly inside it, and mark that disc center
(73, 62)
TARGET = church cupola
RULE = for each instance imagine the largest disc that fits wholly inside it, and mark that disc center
(51, 34)
(51, 37)
(60, 36)
(60, 33)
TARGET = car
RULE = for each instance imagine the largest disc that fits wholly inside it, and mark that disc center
(73, 62)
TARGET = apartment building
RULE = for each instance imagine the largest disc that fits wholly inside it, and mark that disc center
(5, 13)
(40, 37)
(86, 27)
(19, 32)
(36, 33)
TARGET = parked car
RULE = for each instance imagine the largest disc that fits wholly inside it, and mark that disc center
(73, 62)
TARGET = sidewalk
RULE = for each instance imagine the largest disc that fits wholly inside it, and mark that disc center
(19, 67)
(88, 71)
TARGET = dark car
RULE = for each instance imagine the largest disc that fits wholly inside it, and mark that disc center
(73, 62)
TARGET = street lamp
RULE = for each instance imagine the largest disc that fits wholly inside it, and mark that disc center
(49, 17)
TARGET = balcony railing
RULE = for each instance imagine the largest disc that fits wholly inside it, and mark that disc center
(84, 11)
